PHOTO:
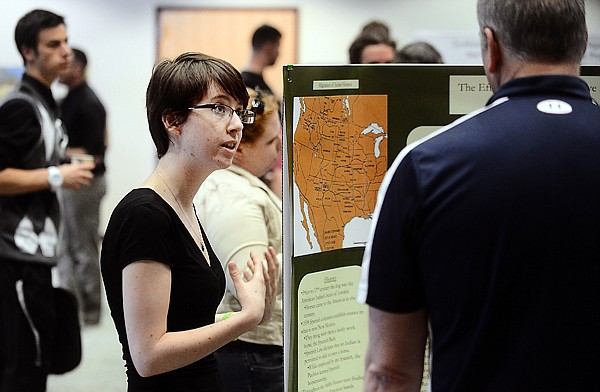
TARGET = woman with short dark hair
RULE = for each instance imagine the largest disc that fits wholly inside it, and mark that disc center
(163, 281)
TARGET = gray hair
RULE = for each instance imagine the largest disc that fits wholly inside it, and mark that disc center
(537, 30)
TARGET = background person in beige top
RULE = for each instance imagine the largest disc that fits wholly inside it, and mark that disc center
(242, 214)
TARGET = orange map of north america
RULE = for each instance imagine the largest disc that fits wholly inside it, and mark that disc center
(339, 161)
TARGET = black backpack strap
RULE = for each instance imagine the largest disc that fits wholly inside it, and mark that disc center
(17, 94)
(26, 92)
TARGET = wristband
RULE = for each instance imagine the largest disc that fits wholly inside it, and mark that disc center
(226, 316)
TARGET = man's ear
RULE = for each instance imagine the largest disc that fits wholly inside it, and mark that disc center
(28, 53)
(80, 71)
(270, 47)
(494, 51)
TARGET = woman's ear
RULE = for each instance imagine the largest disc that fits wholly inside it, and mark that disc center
(170, 123)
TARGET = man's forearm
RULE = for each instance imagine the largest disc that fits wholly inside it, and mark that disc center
(396, 350)
(19, 181)
(384, 380)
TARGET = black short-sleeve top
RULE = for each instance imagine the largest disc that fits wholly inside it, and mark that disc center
(143, 226)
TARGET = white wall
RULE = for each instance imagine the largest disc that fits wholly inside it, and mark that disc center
(120, 39)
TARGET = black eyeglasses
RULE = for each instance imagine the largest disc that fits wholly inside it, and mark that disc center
(224, 111)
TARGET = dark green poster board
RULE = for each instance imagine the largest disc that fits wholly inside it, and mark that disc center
(344, 125)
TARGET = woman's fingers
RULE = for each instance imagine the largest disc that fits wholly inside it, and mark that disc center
(233, 271)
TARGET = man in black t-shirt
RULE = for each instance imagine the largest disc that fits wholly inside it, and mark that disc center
(487, 232)
(84, 117)
(265, 50)
(31, 174)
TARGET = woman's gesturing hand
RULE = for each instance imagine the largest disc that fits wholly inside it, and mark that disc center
(257, 289)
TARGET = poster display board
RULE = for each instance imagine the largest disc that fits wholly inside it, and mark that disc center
(344, 125)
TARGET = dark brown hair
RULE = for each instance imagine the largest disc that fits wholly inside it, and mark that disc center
(29, 26)
(178, 84)
(364, 40)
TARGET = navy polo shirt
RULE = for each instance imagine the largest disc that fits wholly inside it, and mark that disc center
(493, 225)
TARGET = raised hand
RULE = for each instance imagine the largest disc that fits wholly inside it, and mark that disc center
(250, 288)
